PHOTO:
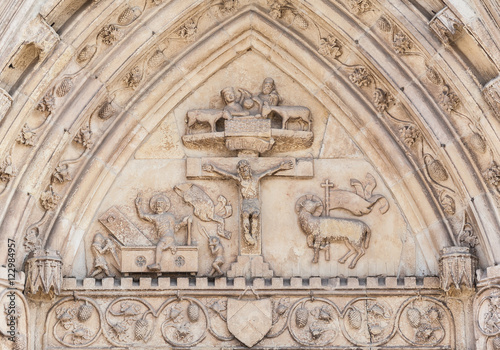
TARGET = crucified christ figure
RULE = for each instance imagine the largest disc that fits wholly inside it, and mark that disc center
(249, 190)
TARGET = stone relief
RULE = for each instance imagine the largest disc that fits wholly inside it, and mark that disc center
(248, 183)
(100, 248)
(204, 207)
(457, 268)
(253, 123)
(311, 321)
(323, 230)
(217, 251)
(446, 25)
(138, 252)
(43, 273)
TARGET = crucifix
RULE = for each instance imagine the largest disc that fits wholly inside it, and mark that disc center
(248, 173)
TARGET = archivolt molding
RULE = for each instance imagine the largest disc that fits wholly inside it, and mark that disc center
(110, 93)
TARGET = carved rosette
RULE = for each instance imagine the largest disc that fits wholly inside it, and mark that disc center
(456, 268)
(43, 273)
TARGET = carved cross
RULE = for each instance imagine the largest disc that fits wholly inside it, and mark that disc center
(327, 185)
(247, 173)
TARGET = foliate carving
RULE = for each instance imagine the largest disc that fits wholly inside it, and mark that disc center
(129, 15)
(61, 174)
(436, 170)
(49, 199)
(283, 8)
(448, 99)
(401, 43)
(86, 54)
(467, 236)
(491, 92)
(361, 77)
(330, 47)
(106, 111)
(188, 30)
(457, 268)
(382, 100)
(423, 322)
(78, 322)
(446, 25)
(359, 6)
(7, 169)
(314, 322)
(448, 203)
(84, 137)
(133, 78)
(156, 59)
(323, 230)
(477, 142)
(130, 321)
(64, 87)
(488, 312)
(433, 76)
(368, 321)
(410, 134)
(186, 322)
(26, 136)
(384, 24)
(228, 6)
(109, 34)
(492, 176)
(47, 104)
(43, 272)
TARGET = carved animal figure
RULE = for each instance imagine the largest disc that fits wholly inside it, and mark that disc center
(303, 114)
(321, 231)
(204, 207)
(204, 116)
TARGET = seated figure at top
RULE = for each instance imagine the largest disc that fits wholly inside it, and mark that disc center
(233, 107)
(269, 94)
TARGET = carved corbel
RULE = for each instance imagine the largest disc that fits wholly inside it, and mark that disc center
(43, 273)
(446, 25)
(457, 268)
(491, 92)
(42, 35)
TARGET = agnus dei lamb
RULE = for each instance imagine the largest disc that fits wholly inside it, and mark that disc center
(323, 230)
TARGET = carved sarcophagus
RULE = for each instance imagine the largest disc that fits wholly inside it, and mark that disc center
(136, 259)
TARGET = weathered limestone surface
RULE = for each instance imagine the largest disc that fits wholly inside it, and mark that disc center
(249, 174)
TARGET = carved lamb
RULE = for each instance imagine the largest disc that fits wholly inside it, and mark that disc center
(321, 231)
(204, 116)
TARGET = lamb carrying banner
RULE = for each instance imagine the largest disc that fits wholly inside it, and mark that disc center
(323, 230)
